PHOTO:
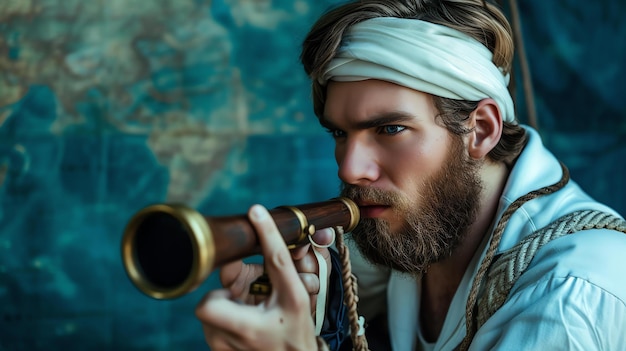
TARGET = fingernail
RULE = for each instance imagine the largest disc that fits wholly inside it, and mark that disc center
(258, 212)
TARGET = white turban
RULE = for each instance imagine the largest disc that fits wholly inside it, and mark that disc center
(421, 55)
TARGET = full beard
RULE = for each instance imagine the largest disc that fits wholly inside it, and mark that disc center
(434, 225)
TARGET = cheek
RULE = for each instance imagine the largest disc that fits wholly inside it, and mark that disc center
(415, 160)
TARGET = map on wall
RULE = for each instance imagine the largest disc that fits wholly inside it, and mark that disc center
(108, 106)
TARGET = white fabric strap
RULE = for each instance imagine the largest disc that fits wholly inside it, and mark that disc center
(424, 56)
(320, 305)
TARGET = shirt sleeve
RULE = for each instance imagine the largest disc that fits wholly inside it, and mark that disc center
(557, 314)
(571, 297)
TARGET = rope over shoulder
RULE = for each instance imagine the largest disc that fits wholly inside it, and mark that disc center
(470, 324)
(505, 271)
(496, 276)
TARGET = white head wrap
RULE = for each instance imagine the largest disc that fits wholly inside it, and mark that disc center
(421, 55)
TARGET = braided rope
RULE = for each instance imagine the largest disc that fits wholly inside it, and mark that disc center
(351, 298)
(493, 247)
(510, 265)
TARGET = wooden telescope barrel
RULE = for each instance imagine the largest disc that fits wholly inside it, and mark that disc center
(170, 249)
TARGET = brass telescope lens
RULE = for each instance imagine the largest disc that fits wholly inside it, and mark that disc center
(167, 250)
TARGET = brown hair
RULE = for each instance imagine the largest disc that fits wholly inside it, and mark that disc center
(477, 18)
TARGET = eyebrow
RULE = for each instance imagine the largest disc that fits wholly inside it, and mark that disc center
(375, 121)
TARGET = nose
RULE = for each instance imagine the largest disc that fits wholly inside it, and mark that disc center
(358, 164)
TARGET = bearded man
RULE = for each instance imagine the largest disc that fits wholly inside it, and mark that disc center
(472, 235)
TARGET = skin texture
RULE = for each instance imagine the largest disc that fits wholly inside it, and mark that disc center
(388, 140)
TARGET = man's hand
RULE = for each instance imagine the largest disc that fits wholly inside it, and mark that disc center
(237, 276)
(282, 320)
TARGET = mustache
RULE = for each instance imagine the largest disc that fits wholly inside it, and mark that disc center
(369, 194)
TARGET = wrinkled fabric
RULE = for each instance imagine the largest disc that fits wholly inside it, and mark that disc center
(336, 323)
(571, 297)
(423, 56)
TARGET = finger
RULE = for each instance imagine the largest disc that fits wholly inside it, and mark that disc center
(224, 321)
(203, 308)
(299, 252)
(229, 273)
(311, 283)
(307, 264)
(324, 237)
(218, 310)
(237, 277)
(278, 263)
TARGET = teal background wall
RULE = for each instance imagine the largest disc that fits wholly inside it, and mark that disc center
(107, 106)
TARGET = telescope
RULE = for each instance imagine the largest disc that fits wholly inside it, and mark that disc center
(170, 249)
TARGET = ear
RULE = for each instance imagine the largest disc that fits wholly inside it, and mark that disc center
(486, 124)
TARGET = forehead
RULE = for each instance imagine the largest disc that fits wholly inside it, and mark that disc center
(359, 100)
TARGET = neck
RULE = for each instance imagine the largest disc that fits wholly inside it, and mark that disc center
(441, 281)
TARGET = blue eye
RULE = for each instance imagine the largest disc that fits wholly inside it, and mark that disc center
(391, 129)
(336, 133)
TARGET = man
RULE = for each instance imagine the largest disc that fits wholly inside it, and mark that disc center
(449, 186)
